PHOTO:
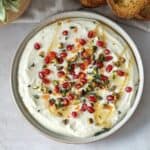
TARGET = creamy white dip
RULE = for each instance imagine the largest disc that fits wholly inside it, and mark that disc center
(31, 63)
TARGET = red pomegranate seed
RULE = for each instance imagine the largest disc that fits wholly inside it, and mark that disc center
(69, 47)
(82, 66)
(88, 60)
(47, 60)
(51, 102)
(100, 43)
(109, 68)
(66, 85)
(84, 107)
(46, 71)
(61, 74)
(99, 64)
(128, 89)
(110, 97)
(37, 46)
(74, 114)
(82, 75)
(75, 76)
(91, 34)
(108, 58)
(103, 78)
(46, 81)
(63, 54)
(120, 73)
(65, 32)
(92, 98)
(41, 75)
(82, 41)
(60, 60)
(70, 96)
(78, 85)
(83, 80)
(90, 109)
(65, 102)
(106, 51)
(56, 89)
(52, 54)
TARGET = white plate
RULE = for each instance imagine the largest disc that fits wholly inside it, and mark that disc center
(14, 74)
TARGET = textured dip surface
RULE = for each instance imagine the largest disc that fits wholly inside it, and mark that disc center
(77, 77)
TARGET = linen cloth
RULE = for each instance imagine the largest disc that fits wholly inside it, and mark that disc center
(40, 9)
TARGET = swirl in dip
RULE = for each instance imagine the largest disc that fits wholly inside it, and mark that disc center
(77, 77)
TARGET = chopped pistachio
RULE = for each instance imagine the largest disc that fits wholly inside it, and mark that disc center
(32, 65)
(42, 54)
(94, 48)
(90, 120)
(36, 96)
(101, 57)
(55, 82)
(60, 45)
(44, 66)
(29, 86)
(65, 121)
(72, 27)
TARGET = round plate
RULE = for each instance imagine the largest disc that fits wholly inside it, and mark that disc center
(24, 110)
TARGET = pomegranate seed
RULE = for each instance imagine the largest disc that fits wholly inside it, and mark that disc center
(82, 41)
(37, 46)
(46, 81)
(51, 102)
(103, 78)
(65, 102)
(69, 47)
(60, 60)
(99, 64)
(110, 97)
(56, 89)
(47, 60)
(109, 68)
(78, 85)
(82, 75)
(92, 98)
(84, 107)
(52, 54)
(108, 58)
(90, 109)
(46, 71)
(91, 34)
(106, 51)
(120, 73)
(73, 66)
(83, 80)
(74, 114)
(87, 61)
(75, 76)
(63, 54)
(41, 75)
(128, 89)
(70, 96)
(82, 66)
(65, 85)
(61, 74)
(65, 32)
(100, 43)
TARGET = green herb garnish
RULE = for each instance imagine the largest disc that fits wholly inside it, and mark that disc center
(6, 5)
(103, 131)
(36, 96)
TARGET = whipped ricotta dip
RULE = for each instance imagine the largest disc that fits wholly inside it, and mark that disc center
(78, 77)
